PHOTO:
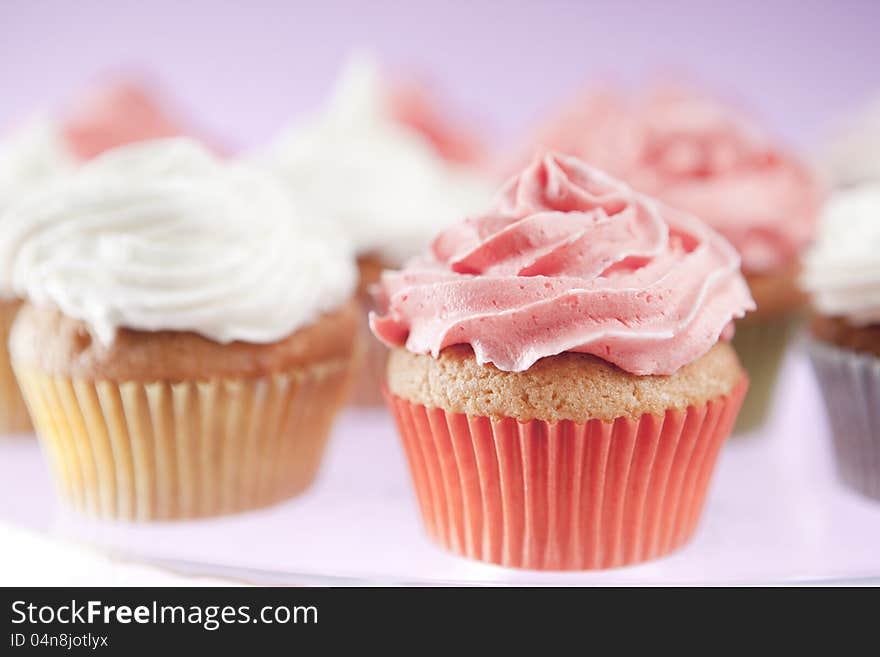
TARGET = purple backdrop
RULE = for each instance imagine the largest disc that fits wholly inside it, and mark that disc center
(244, 68)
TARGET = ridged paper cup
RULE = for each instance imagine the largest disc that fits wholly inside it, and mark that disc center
(564, 495)
(850, 384)
(14, 416)
(166, 451)
(761, 344)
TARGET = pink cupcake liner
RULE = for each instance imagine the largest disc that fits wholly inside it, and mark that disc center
(566, 495)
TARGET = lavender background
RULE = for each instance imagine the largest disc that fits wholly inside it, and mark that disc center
(244, 68)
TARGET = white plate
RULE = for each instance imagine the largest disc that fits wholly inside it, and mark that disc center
(775, 514)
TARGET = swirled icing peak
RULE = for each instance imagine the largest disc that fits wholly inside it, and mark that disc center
(164, 236)
(379, 179)
(569, 259)
(699, 155)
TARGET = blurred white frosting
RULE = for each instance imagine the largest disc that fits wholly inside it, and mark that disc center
(852, 155)
(381, 182)
(842, 271)
(165, 236)
(33, 154)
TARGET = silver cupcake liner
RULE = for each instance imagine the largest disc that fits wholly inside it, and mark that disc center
(850, 384)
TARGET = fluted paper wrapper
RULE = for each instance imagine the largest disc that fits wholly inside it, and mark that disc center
(14, 416)
(761, 345)
(850, 384)
(164, 451)
(565, 495)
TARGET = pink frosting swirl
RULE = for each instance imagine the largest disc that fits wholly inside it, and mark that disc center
(115, 115)
(697, 155)
(569, 259)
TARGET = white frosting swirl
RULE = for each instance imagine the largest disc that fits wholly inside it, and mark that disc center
(842, 271)
(31, 156)
(380, 180)
(164, 236)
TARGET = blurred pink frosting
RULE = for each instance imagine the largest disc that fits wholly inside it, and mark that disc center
(415, 106)
(115, 115)
(697, 155)
(569, 259)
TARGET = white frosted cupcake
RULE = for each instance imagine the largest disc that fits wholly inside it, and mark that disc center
(46, 147)
(32, 155)
(377, 180)
(187, 340)
(842, 274)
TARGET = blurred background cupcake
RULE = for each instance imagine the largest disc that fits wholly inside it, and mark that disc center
(48, 146)
(186, 339)
(701, 156)
(124, 111)
(851, 154)
(561, 375)
(842, 274)
(32, 154)
(386, 172)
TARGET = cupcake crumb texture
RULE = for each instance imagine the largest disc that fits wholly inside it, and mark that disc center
(569, 386)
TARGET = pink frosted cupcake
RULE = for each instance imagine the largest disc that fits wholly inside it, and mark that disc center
(698, 155)
(560, 372)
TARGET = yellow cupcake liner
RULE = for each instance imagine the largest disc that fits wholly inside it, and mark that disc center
(14, 416)
(163, 451)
